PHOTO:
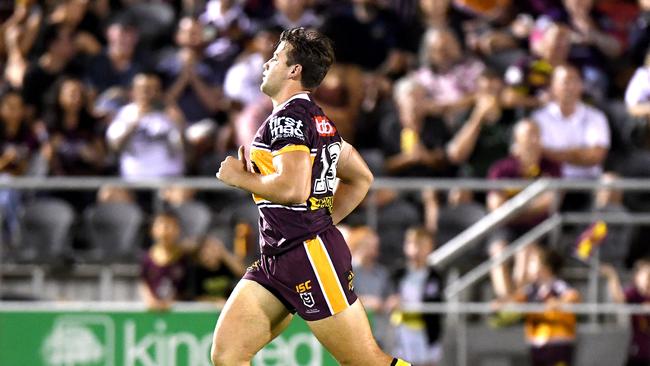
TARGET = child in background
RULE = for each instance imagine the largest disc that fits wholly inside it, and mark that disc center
(550, 334)
(636, 293)
(216, 271)
(370, 277)
(165, 267)
(418, 336)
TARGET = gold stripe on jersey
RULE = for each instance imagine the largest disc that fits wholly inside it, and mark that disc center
(263, 160)
(326, 275)
(290, 148)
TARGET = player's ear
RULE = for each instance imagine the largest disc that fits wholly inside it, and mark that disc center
(295, 71)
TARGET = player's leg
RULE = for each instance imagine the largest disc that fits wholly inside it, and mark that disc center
(347, 336)
(251, 318)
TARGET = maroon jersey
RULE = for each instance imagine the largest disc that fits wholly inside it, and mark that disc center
(296, 125)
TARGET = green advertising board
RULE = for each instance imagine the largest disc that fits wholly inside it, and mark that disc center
(81, 338)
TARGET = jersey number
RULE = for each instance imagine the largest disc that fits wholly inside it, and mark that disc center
(329, 158)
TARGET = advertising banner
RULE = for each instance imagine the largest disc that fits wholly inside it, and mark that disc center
(81, 338)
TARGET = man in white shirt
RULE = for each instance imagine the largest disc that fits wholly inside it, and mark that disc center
(147, 136)
(637, 93)
(242, 83)
(573, 133)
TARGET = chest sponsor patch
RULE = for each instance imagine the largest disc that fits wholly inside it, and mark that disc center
(286, 127)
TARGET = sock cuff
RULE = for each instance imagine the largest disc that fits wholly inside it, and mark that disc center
(398, 362)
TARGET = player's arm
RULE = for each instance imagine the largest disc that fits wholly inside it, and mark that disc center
(355, 180)
(613, 283)
(586, 156)
(150, 300)
(290, 184)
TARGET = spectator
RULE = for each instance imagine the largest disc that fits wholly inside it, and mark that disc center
(639, 36)
(485, 133)
(41, 75)
(637, 94)
(593, 45)
(165, 268)
(74, 16)
(18, 147)
(449, 78)
(528, 78)
(18, 141)
(118, 62)
(488, 30)
(526, 161)
(418, 335)
(243, 79)
(572, 133)
(248, 122)
(550, 334)
(638, 292)
(340, 96)
(447, 221)
(434, 14)
(616, 245)
(75, 135)
(294, 13)
(591, 37)
(147, 134)
(19, 34)
(111, 193)
(216, 271)
(190, 79)
(370, 277)
(226, 17)
(368, 36)
(419, 150)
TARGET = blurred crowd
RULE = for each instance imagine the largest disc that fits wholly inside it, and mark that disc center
(423, 88)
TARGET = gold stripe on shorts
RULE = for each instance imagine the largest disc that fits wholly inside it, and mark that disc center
(326, 275)
(402, 363)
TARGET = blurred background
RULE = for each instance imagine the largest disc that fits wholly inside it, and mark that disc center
(117, 242)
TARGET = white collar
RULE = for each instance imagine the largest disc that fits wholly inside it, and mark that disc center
(554, 109)
(303, 95)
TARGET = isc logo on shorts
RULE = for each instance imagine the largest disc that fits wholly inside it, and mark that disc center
(307, 297)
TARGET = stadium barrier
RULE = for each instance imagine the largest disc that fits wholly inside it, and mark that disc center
(125, 334)
(454, 308)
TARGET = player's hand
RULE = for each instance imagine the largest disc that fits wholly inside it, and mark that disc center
(608, 271)
(231, 169)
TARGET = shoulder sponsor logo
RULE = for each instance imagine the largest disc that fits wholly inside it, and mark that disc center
(286, 127)
(324, 126)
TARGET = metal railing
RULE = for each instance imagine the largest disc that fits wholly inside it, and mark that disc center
(447, 252)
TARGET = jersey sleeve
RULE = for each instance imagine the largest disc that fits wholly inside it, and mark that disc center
(289, 131)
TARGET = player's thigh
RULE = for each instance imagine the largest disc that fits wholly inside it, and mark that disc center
(348, 337)
(250, 319)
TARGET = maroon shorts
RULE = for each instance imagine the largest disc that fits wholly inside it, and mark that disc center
(313, 279)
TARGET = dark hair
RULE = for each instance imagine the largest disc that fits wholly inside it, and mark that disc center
(490, 73)
(53, 114)
(167, 213)
(551, 259)
(312, 50)
(640, 263)
(50, 35)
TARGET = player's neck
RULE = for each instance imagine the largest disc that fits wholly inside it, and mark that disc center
(284, 95)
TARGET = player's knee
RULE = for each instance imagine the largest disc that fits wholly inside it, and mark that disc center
(373, 356)
(221, 356)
